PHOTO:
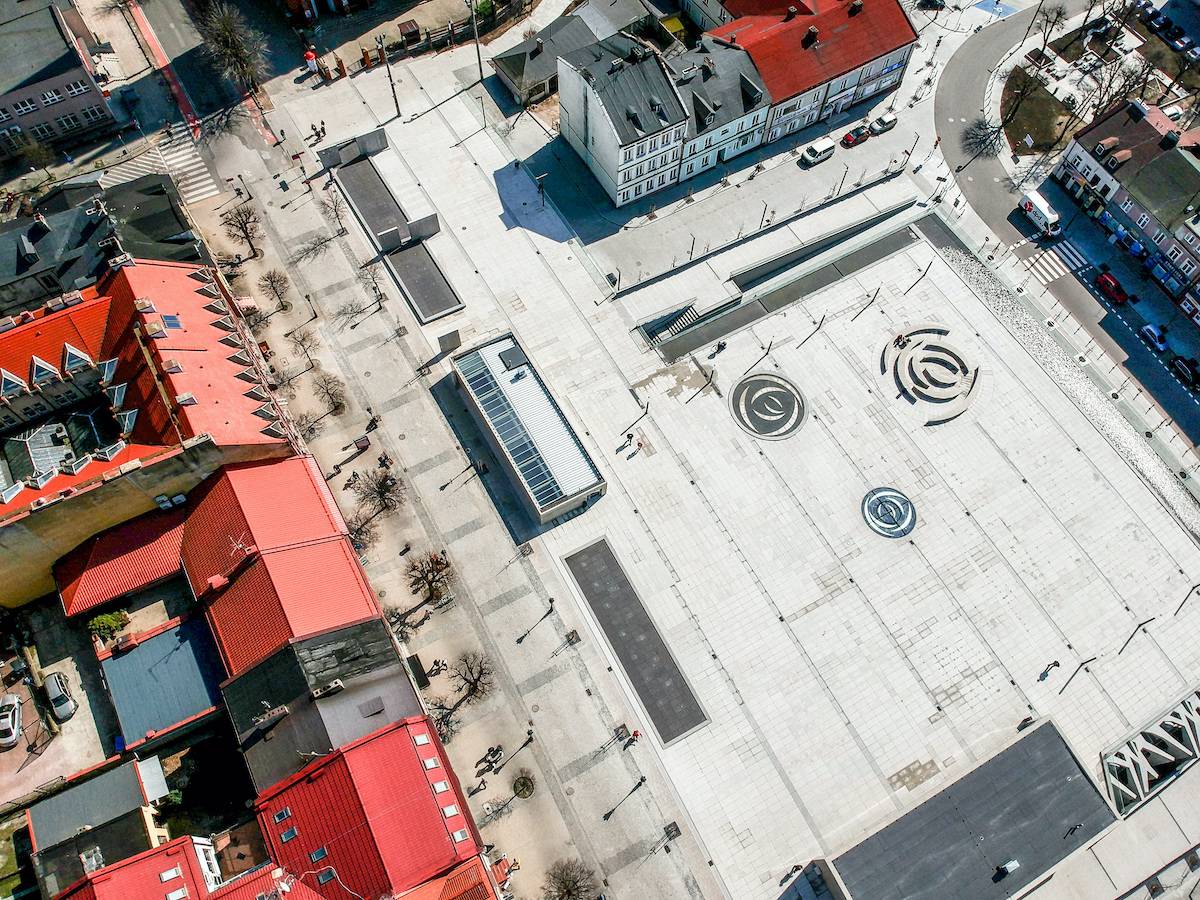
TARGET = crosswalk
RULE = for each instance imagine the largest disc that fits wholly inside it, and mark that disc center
(176, 156)
(1054, 262)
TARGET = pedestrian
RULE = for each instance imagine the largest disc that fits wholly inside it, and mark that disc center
(310, 60)
(639, 446)
(937, 142)
(322, 129)
(490, 750)
(721, 345)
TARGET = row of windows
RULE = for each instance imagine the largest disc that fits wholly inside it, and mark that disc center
(649, 186)
(1173, 254)
(630, 174)
(13, 137)
(650, 146)
(48, 98)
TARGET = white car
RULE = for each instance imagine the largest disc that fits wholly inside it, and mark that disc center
(58, 692)
(817, 151)
(10, 721)
(886, 122)
(1155, 336)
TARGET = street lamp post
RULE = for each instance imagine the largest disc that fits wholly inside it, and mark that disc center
(475, 32)
(387, 64)
(608, 815)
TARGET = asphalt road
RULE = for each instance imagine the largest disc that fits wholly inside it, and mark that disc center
(986, 185)
(182, 44)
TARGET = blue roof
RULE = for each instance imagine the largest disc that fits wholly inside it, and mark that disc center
(165, 679)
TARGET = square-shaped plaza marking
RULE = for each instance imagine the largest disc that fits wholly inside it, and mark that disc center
(661, 687)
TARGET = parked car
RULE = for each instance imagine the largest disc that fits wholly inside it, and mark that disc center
(1108, 285)
(817, 152)
(58, 692)
(1182, 43)
(1174, 33)
(1160, 23)
(1148, 14)
(10, 721)
(886, 122)
(1193, 54)
(856, 136)
(1187, 370)
(1097, 26)
(1155, 336)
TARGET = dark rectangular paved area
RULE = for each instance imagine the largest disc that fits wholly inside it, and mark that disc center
(1021, 804)
(429, 293)
(661, 687)
(371, 198)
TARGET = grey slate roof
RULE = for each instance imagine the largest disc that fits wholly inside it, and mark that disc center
(1167, 186)
(69, 249)
(527, 64)
(632, 83)
(34, 49)
(86, 805)
(165, 680)
(606, 17)
(719, 80)
(375, 691)
(1021, 804)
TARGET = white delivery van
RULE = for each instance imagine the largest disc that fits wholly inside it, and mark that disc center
(818, 152)
(1041, 214)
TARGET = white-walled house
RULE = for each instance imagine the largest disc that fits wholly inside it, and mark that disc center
(619, 110)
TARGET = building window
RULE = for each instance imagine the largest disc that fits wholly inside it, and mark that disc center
(440, 787)
(69, 122)
(4, 114)
(170, 874)
(317, 855)
(449, 810)
(460, 835)
(288, 835)
(285, 813)
(1143, 220)
(49, 98)
(1187, 267)
(625, 176)
(653, 143)
(20, 107)
(41, 131)
(1174, 253)
(675, 153)
(93, 114)
(641, 170)
(1160, 236)
(75, 88)
(641, 150)
(627, 155)
(624, 196)
(1189, 239)
(637, 191)
(172, 321)
(662, 179)
(178, 893)
(1126, 205)
(326, 875)
(431, 763)
(690, 167)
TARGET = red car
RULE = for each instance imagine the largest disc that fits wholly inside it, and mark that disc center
(856, 136)
(1107, 284)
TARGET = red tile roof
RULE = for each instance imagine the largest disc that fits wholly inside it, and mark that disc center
(121, 560)
(262, 881)
(466, 882)
(269, 578)
(82, 326)
(845, 41)
(373, 807)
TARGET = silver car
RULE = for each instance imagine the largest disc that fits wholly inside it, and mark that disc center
(10, 721)
(58, 692)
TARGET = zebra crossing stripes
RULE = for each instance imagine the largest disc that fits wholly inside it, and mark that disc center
(1055, 262)
(177, 157)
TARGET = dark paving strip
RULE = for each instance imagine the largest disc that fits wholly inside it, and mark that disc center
(371, 198)
(748, 313)
(653, 672)
(425, 287)
(497, 603)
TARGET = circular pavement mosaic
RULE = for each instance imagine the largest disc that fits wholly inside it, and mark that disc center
(889, 513)
(930, 372)
(768, 406)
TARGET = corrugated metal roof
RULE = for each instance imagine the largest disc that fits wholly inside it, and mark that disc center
(543, 447)
(121, 560)
(164, 680)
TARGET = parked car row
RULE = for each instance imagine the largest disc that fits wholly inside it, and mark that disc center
(820, 150)
(1185, 368)
(1161, 24)
(57, 691)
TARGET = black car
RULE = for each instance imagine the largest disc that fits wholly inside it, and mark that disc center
(1174, 33)
(1187, 370)
(1161, 23)
(931, 4)
(1147, 14)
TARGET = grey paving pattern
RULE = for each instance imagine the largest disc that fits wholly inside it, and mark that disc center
(655, 675)
(767, 406)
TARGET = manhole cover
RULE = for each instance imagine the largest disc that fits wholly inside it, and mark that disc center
(889, 513)
(929, 372)
(767, 406)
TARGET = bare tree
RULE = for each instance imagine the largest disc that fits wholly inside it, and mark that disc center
(379, 492)
(242, 223)
(983, 138)
(275, 283)
(364, 531)
(429, 576)
(372, 279)
(348, 312)
(309, 424)
(1049, 19)
(255, 319)
(1116, 81)
(404, 623)
(334, 206)
(331, 391)
(444, 716)
(473, 676)
(38, 156)
(1187, 65)
(238, 50)
(569, 879)
(312, 249)
(304, 341)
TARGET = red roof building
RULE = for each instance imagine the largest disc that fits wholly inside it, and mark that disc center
(147, 372)
(382, 815)
(820, 43)
(268, 578)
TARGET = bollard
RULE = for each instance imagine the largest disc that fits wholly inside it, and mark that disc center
(367, 62)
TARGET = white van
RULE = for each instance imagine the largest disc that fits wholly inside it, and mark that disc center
(818, 151)
(1041, 214)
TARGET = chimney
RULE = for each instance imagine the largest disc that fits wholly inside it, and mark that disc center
(1137, 111)
(39, 227)
(856, 7)
(1170, 139)
(538, 46)
(810, 37)
(28, 252)
(791, 14)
